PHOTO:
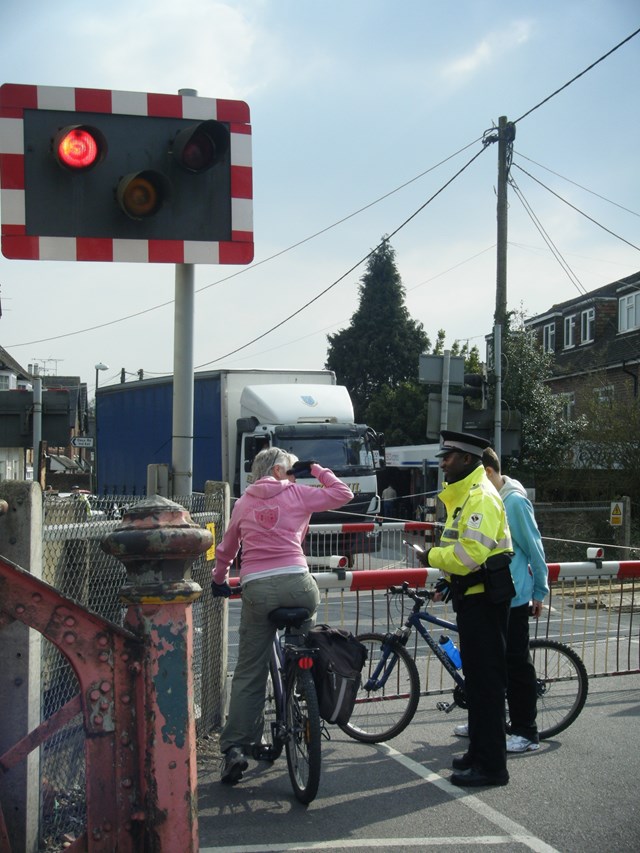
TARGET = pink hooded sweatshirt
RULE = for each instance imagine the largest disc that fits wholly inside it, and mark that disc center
(271, 521)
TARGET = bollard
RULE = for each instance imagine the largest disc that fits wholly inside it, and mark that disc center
(158, 542)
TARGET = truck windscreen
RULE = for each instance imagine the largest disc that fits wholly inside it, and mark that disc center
(341, 454)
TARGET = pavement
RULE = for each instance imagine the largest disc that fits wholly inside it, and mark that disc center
(577, 794)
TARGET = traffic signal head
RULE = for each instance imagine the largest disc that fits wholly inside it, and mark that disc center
(200, 146)
(78, 147)
(142, 194)
(128, 176)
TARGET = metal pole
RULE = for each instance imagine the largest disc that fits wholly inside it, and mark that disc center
(444, 402)
(182, 437)
(37, 427)
(497, 370)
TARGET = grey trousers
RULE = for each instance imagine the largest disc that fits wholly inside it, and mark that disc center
(259, 597)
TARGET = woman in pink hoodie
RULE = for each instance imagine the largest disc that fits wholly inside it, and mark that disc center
(270, 521)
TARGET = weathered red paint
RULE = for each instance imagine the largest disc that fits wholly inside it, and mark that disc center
(84, 637)
(157, 542)
(136, 685)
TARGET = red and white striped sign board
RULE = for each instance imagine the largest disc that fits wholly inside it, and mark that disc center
(16, 100)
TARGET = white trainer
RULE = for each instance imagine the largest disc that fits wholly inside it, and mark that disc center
(516, 743)
(462, 730)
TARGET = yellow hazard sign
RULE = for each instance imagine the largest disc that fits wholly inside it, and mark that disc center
(211, 553)
(616, 514)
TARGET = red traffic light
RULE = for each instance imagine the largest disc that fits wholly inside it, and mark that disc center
(200, 146)
(142, 194)
(79, 147)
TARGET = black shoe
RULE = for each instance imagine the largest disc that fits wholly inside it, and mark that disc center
(462, 762)
(476, 778)
(233, 766)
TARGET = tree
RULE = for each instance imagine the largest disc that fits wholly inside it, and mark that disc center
(380, 349)
(546, 437)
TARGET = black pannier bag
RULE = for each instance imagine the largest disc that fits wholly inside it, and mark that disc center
(336, 671)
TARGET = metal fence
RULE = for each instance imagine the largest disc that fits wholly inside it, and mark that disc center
(596, 615)
(76, 566)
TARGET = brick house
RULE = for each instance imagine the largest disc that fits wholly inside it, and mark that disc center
(595, 343)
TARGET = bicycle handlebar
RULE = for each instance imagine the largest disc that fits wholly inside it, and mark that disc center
(419, 596)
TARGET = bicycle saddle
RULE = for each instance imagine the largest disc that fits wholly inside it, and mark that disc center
(289, 617)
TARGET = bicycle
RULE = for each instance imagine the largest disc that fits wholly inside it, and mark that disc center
(390, 689)
(292, 715)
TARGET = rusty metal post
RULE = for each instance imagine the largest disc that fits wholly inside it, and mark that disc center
(157, 541)
(21, 542)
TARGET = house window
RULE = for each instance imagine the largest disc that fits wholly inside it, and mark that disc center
(587, 325)
(549, 337)
(567, 405)
(4, 382)
(629, 312)
(570, 331)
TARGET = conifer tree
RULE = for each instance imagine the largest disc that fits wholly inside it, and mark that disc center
(380, 349)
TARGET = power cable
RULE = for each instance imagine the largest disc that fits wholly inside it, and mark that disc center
(547, 239)
(577, 209)
(349, 271)
(257, 263)
(577, 77)
(576, 184)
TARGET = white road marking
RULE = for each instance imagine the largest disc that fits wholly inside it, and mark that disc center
(514, 833)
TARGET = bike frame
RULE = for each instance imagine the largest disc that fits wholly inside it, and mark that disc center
(414, 620)
(283, 660)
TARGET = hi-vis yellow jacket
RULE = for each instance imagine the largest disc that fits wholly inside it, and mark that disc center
(476, 527)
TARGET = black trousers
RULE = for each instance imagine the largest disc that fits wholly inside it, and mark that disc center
(482, 628)
(521, 676)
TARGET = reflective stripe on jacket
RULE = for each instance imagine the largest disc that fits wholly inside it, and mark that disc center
(476, 527)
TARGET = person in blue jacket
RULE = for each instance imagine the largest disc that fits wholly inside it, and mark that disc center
(530, 578)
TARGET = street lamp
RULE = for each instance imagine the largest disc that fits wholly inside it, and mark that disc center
(99, 366)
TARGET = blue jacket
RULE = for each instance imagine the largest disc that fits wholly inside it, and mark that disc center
(528, 565)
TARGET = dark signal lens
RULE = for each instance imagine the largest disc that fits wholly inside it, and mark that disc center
(199, 153)
(142, 194)
(79, 148)
(200, 146)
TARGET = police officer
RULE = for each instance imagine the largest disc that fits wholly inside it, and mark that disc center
(474, 555)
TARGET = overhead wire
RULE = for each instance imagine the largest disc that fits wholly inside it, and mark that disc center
(256, 264)
(577, 76)
(577, 209)
(576, 184)
(351, 269)
(547, 239)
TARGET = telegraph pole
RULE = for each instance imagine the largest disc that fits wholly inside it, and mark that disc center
(506, 135)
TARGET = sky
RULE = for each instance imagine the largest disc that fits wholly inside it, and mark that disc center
(355, 104)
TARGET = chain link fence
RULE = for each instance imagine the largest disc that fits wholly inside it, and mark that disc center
(75, 564)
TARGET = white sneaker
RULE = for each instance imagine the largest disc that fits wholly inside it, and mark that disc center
(516, 743)
(462, 730)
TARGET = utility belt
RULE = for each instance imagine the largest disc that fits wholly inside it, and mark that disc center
(494, 573)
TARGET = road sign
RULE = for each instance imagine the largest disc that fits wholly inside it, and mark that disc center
(617, 514)
(430, 369)
(102, 175)
(81, 441)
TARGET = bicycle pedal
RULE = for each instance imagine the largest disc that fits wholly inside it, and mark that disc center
(263, 752)
(444, 706)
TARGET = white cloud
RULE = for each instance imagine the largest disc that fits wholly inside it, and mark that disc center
(484, 53)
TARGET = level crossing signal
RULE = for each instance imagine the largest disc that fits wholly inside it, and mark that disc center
(119, 176)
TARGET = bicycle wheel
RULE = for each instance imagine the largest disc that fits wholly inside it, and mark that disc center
(304, 734)
(383, 710)
(563, 685)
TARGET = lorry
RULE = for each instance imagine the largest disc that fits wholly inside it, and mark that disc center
(236, 414)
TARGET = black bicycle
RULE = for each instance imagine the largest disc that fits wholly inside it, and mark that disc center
(292, 716)
(390, 690)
